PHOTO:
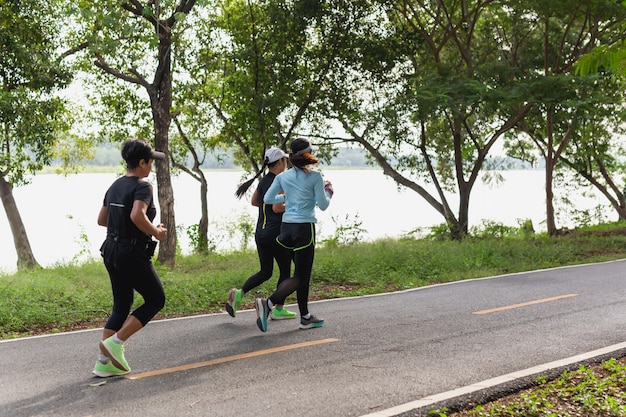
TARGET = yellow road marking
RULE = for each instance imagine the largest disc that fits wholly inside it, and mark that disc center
(229, 359)
(529, 303)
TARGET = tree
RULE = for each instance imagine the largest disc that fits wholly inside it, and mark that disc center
(595, 153)
(432, 87)
(264, 70)
(254, 80)
(197, 146)
(128, 40)
(32, 116)
(608, 56)
(565, 31)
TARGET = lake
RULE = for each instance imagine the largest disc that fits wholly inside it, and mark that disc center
(60, 212)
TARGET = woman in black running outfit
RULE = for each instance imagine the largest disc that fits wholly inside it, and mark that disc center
(127, 213)
(267, 229)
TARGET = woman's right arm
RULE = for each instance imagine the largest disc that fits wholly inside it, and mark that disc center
(102, 216)
(255, 198)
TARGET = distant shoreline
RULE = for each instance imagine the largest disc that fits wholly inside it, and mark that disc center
(100, 169)
(96, 169)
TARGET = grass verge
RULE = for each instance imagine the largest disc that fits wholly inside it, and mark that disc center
(67, 297)
(589, 391)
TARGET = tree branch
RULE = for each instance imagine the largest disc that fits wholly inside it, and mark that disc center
(101, 63)
(73, 50)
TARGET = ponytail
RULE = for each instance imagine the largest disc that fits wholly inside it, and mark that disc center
(241, 190)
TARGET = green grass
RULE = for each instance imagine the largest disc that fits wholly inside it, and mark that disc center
(70, 296)
(598, 390)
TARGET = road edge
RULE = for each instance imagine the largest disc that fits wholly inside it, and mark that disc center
(494, 388)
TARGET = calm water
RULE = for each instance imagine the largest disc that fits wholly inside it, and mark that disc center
(60, 212)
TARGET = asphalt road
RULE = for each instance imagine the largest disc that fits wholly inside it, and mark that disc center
(390, 354)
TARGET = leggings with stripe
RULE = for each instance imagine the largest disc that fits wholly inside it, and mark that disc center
(300, 239)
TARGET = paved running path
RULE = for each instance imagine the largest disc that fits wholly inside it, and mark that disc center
(379, 355)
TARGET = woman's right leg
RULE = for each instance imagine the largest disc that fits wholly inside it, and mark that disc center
(123, 297)
(123, 294)
(266, 260)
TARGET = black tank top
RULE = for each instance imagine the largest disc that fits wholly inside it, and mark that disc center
(268, 223)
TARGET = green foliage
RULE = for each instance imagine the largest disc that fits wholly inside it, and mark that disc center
(32, 116)
(66, 295)
(491, 229)
(31, 124)
(439, 232)
(604, 57)
(526, 227)
(494, 230)
(52, 299)
(347, 232)
(243, 227)
(195, 241)
(84, 253)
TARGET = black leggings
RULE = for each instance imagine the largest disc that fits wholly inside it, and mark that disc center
(268, 251)
(300, 239)
(131, 269)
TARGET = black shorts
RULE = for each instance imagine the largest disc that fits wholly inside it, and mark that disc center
(296, 236)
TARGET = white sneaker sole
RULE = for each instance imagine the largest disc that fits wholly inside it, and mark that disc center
(310, 326)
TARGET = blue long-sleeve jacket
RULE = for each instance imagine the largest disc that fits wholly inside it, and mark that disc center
(302, 192)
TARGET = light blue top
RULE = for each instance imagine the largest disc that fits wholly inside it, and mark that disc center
(303, 190)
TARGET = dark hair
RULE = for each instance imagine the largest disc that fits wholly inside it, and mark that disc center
(241, 190)
(300, 153)
(134, 150)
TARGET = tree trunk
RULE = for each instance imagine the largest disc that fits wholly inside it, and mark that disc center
(161, 102)
(464, 200)
(202, 243)
(465, 188)
(550, 222)
(203, 225)
(25, 257)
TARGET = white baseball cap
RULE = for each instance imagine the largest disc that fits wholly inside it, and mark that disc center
(273, 154)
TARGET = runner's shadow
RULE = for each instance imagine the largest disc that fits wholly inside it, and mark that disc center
(63, 400)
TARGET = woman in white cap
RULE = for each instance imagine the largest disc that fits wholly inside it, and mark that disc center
(267, 229)
(127, 212)
(301, 189)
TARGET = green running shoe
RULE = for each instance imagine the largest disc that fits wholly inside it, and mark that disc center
(115, 352)
(234, 299)
(106, 370)
(282, 314)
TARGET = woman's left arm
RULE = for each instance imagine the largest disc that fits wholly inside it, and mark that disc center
(139, 217)
(322, 198)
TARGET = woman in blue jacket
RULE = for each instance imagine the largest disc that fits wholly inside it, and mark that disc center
(301, 189)
(267, 230)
